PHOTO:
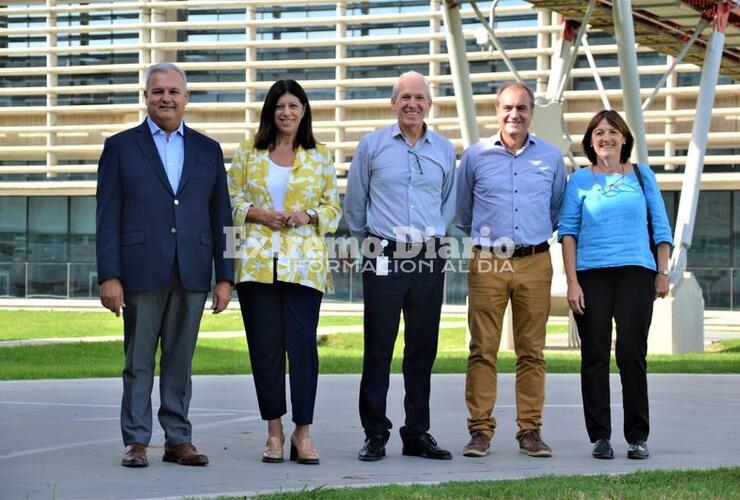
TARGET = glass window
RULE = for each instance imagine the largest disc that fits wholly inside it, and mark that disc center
(82, 229)
(47, 229)
(47, 280)
(716, 285)
(710, 246)
(736, 229)
(12, 279)
(83, 281)
(12, 229)
(670, 199)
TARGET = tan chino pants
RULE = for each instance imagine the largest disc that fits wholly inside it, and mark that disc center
(492, 282)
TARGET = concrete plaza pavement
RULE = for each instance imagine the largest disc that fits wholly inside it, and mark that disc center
(59, 439)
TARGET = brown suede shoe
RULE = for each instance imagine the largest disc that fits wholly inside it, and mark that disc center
(135, 456)
(477, 446)
(184, 454)
(531, 443)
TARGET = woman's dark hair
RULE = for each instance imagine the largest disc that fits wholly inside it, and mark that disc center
(267, 132)
(616, 121)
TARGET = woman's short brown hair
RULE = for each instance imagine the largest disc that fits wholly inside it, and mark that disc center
(616, 121)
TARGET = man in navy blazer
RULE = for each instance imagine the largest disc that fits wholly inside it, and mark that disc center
(162, 206)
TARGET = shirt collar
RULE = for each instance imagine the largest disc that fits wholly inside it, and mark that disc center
(396, 131)
(531, 139)
(154, 128)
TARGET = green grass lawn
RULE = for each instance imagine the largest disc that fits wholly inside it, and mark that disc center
(340, 353)
(17, 325)
(55, 324)
(673, 485)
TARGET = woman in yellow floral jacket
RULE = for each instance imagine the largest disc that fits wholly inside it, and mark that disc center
(285, 200)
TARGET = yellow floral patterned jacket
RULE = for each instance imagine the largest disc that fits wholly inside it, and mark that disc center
(303, 256)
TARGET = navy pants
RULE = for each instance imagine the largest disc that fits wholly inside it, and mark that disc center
(282, 318)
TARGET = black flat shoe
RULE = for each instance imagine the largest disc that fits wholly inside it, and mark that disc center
(373, 449)
(423, 445)
(603, 449)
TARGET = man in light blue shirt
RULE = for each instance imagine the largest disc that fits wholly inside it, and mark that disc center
(171, 149)
(508, 199)
(401, 190)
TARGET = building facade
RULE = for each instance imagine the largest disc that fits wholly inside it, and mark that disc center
(71, 74)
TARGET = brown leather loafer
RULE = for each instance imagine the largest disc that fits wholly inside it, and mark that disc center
(184, 454)
(135, 456)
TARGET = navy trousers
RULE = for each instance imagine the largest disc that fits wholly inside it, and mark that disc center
(282, 318)
(414, 286)
(626, 294)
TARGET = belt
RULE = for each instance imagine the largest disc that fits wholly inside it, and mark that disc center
(519, 251)
(392, 246)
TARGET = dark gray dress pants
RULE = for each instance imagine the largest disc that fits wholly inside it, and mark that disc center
(169, 318)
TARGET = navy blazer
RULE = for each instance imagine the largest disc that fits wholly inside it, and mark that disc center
(142, 225)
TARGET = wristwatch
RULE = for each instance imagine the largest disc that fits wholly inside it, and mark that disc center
(312, 214)
(664, 272)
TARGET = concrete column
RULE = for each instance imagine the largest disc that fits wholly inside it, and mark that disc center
(251, 116)
(460, 73)
(157, 35)
(434, 48)
(340, 73)
(145, 55)
(51, 81)
(678, 320)
(543, 42)
(624, 32)
(669, 149)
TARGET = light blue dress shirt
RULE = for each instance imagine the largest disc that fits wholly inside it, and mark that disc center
(399, 191)
(171, 151)
(607, 215)
(501, 194)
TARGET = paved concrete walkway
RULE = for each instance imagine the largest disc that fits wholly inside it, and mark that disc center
(59, 439)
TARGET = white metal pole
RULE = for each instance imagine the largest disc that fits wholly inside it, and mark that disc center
(460, 73)
(624, 32)
(686, 216)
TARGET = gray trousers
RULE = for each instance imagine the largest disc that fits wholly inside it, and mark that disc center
(170, 318)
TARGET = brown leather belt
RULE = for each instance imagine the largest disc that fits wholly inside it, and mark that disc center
(519, 251)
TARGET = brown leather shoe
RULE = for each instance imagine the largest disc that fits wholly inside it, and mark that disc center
(531, 443)
(273, 453)
(184, 454)
(477, 446)
(303, 451)
(135, 456)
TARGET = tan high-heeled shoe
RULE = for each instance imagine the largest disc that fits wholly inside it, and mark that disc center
(273, 453)
(303, 451)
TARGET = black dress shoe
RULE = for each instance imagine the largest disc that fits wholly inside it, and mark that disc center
(373, 449)
(638, 450)
(603, 449)
(423, 445)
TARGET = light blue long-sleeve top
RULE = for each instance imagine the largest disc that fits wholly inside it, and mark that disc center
(501, 194)
(171, 151)
(607, 215)
(399, 191)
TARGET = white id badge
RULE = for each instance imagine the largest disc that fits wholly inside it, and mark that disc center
(381, 265)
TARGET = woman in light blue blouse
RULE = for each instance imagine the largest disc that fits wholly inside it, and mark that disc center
(612, 273)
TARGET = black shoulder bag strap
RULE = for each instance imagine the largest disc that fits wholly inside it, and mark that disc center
(653, 248)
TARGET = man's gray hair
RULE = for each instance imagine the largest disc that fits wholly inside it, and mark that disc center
(163, 68)
(516, 85)
(411, 73)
